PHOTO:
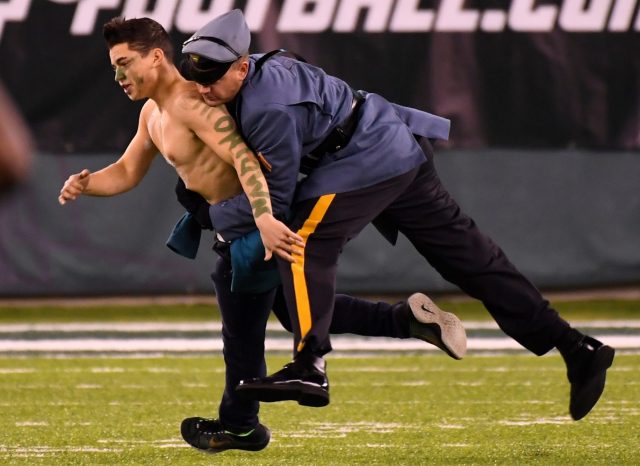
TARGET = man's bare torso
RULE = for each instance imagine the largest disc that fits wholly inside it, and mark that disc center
(201, 169)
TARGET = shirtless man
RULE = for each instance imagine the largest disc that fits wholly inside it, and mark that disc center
(199, 141)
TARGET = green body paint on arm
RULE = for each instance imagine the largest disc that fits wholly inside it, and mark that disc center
(246, 166)
(257, 195)
(257, 189)
(224, 124)
(260, 207)
(233, 139)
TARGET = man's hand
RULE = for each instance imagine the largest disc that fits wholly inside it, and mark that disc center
(277, 238)
(74, 186)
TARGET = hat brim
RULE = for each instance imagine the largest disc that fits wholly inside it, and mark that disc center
(190, 71)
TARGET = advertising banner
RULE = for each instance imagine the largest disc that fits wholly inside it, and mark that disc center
(540, 74)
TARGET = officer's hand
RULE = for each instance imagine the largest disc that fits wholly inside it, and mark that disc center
(279, 239)
(195, 204)
(74, 186)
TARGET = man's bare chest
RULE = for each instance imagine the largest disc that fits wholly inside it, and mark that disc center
(174, 141)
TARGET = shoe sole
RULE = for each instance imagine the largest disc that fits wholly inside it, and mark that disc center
(448, 333)
(583, 400)
(213, 451)
(304, 393)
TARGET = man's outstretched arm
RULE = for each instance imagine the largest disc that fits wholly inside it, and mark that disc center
(118, 177)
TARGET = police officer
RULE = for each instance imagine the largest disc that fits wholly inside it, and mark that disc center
(366, 160)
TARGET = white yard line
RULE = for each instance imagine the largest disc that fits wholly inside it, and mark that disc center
(216, 326)
(339, 343)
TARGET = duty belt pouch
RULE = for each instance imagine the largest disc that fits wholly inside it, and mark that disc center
(338, 138)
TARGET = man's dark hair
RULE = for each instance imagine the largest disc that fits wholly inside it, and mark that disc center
(141, 34)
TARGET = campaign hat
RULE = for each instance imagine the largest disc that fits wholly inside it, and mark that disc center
(223, 39)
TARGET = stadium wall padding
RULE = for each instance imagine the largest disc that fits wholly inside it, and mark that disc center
(565, 219)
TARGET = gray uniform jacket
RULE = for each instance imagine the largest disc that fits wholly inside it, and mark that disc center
(287, 108)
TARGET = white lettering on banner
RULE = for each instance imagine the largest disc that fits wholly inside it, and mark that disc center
(493, 20)
(255, 12)
(408, 17)
(377, 15)
(306, 16)
(396, 16)
(525, 16)
(577, 16)
(191, 16)
(622, 15)
(15, 10)
(163, 11)
(453, 17)
(86, 14)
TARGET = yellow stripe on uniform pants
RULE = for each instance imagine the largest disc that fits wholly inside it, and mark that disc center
(297, 268)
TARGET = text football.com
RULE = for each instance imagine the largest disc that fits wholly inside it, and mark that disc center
(314, 16)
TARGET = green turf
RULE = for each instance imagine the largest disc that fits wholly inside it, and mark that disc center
(109, 313)
(387, 410)
(466, 310)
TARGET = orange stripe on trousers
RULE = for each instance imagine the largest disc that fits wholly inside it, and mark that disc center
(297, 269)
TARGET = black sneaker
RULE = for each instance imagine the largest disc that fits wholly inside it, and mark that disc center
(431, 324)
(303, 380)
(209, 435)
(587, 364)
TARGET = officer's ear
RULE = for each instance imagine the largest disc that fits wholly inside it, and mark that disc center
(243, 67)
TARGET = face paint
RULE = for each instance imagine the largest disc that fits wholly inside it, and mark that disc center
(120, 73)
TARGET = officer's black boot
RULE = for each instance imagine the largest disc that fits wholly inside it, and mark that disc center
(587, 361)
(303, 380)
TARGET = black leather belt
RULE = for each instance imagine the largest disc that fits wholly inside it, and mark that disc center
(338, 138)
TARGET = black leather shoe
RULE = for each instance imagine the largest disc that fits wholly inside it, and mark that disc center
(209, 435)
(587, 364)
(431, 324)
(303, 380)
